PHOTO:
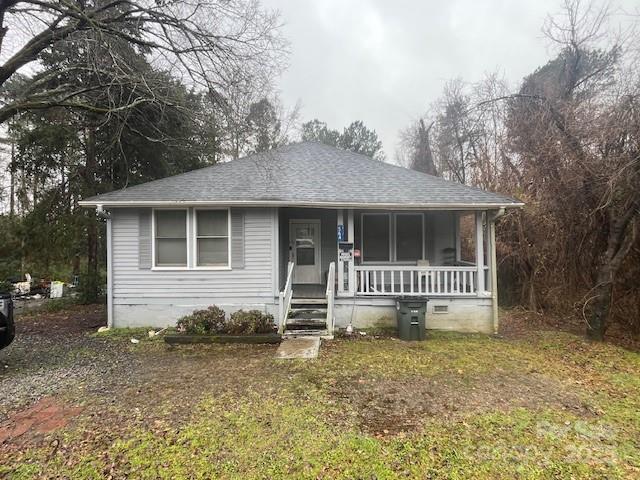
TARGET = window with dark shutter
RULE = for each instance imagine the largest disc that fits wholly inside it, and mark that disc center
(237, 238)
(144, 239)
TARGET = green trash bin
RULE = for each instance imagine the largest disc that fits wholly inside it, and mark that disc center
(412, 314)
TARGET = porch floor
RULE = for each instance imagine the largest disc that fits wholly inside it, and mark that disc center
(309, 290)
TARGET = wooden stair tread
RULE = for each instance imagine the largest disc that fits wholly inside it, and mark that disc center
(306, 333)
(308, 301)
(301, 314)
(306, 321)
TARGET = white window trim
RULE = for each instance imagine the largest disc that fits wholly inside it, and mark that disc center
(392, 239)
(195, 241)
(153, 240)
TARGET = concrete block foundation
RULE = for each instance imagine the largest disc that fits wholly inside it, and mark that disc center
(453, 314)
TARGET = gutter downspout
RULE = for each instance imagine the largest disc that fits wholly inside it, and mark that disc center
(107, 216)
(494, 269)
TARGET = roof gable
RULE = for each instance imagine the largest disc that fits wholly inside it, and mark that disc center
(305, 174)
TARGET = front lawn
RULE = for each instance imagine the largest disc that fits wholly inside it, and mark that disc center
(543, 405)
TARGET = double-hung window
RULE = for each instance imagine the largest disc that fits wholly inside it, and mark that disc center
(186, 238)
(170, 238)
(212, 238)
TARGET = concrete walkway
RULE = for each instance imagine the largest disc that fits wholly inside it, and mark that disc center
(299, 347)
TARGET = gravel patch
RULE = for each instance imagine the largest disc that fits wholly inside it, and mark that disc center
(35, 366)
(54, 353)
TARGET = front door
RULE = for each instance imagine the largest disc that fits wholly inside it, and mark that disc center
(304, 248)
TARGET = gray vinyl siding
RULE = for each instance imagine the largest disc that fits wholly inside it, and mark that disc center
(252, 283)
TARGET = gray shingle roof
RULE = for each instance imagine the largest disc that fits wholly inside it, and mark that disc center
(305, 174)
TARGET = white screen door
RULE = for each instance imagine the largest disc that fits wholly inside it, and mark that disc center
(304, 244)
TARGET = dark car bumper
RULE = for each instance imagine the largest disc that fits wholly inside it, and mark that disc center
(7, 327)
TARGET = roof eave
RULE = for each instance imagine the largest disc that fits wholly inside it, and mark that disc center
(279, 203)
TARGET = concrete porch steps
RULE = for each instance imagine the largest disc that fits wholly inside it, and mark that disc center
(298, 347)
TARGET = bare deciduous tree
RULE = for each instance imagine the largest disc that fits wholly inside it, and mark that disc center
(207, 43)
(568, 144)
(115, 63)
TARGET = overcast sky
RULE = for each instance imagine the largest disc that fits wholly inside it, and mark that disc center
(384, 61)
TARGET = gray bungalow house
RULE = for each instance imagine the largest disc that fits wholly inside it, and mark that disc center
(305, 225)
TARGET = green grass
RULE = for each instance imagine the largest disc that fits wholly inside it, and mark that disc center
(286, 420)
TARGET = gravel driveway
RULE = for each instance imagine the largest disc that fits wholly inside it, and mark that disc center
(53, 353)
(56, 358)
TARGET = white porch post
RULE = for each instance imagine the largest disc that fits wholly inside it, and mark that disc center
(493, 266)
(480, 254)
(456, 227)
(351, 273)
(340, 262)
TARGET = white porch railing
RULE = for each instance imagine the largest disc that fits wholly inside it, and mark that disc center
(284, 300)
(331, 293)
(389, 280)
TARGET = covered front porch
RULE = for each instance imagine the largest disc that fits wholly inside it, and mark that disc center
(387, 253)
(363, 256)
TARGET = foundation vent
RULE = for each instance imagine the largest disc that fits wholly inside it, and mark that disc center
(441, 309)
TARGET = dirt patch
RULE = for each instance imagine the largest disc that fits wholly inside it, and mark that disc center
(394, 406)
(46, 415)
(75, 319)
(517, 323)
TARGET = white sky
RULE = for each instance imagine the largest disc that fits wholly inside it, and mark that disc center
(384, 61)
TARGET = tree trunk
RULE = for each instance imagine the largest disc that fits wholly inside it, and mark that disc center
(597, 323)
(533, 298)
(90, 289)
(620, 240)
(423, 156)
(12, 180)
(75, 264)
(91, 281)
